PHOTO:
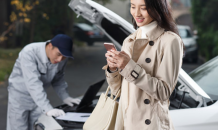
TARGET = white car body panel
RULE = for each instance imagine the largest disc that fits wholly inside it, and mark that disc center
(195, 86)
(204, 118)
(189, 42)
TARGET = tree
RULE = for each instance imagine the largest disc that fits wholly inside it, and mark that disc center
(204, 13)
(18, 18)
(38, 20)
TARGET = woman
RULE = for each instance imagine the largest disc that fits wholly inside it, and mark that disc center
(147, 68)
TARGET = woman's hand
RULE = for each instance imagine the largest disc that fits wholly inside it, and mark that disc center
(110, 63)
(117, 59)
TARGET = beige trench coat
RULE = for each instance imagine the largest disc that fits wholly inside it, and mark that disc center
(147, 81)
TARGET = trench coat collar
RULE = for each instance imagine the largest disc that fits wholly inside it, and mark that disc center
(42, 53)
(151, 35)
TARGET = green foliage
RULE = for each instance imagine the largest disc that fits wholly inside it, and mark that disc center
(205, 18)
(9, 54)
(7, 60)
(5, 69)
(48, 19)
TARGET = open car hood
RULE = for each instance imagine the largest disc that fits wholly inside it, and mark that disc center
(117, 29)
(188, 81)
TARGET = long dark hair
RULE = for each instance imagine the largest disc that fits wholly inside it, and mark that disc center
(160, 11)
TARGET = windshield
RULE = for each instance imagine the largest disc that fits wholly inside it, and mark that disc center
(207, 78)
(184, 33)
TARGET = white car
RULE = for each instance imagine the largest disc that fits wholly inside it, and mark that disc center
(191, 47)
(191, 107)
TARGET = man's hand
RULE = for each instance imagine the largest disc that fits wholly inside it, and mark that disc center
(69, 101)
(55, 112)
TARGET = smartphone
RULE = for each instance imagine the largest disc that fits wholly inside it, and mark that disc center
(109, 46)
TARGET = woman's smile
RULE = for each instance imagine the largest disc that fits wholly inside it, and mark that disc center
(139, 12)
(139, 20)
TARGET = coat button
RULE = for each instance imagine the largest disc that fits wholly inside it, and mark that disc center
(147, 122)
(148, 60)
(146, 101)
(151, 43)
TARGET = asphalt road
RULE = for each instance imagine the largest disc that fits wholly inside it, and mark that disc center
(80, 73)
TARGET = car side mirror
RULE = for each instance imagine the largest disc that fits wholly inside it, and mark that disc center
(195, 34)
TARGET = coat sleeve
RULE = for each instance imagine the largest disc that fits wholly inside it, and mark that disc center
(161, 86)
(33, 83)
(59, 84)
(113, 80)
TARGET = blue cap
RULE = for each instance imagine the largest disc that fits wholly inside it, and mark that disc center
(64, 43)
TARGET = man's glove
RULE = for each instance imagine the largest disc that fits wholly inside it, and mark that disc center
(55, 112)
(69, 101)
